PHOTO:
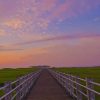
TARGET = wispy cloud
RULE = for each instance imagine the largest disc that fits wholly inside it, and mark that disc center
(55, 38)
(97, 19)
(9, 48)
(28, 24)
(73, 8)
(40, 14)
(3, 49)
(85, 52)
(14, 23)
(2, 32)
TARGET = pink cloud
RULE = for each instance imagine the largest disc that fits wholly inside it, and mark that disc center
(2, 32)
(73, 8)
(33, 11)
(14, 23)
(47, 38)
(61, 9)
(30, 16)
(9, 8)
(87, 53)
(48, 5)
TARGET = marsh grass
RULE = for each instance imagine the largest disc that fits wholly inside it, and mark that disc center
(93, 73)
(8, 74)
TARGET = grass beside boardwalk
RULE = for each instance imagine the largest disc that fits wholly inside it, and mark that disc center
(93, 72)
(8, 74)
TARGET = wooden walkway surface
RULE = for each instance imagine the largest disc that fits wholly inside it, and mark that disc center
(47, 88)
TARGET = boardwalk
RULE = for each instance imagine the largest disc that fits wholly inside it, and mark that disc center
(47, 88)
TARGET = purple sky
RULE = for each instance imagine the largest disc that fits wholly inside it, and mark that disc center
(52, 32)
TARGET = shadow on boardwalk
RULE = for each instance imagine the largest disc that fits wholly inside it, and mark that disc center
(46, 88)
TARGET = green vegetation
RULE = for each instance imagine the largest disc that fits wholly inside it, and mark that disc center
(8, 74)
(93, 72)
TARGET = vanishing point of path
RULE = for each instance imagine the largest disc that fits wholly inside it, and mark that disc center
(47, 88)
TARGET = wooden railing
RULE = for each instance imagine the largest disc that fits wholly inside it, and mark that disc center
(18, 89)
(78, 88)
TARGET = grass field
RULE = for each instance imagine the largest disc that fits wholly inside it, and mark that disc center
(8, 74)
(93, 72)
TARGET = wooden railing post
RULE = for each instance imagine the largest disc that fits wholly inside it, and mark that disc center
(78, 89)
(22, 92)
(18, 90)
(59, 77)
(32, 81)
(7, 90)
(90, 94)
(68, 84)
(72, 86)
(24, 86)
(28, 84)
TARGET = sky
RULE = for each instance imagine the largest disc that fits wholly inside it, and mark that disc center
(49, 32)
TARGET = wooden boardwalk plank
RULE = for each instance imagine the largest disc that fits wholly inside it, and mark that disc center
(47, 88)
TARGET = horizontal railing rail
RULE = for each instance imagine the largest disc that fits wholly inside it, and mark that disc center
(81, 89)
(18, 89)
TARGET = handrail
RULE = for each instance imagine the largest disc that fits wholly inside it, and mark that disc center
(74, 87)
(23, 86)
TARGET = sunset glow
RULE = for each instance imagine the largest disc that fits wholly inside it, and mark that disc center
(49, 32)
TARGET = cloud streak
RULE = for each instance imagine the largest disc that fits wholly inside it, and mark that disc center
(44, 12)
(9, 48)
(55, 38)
(86, 51)
(14, 23)
(70, 27)
(73, 8)
(2, 32)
